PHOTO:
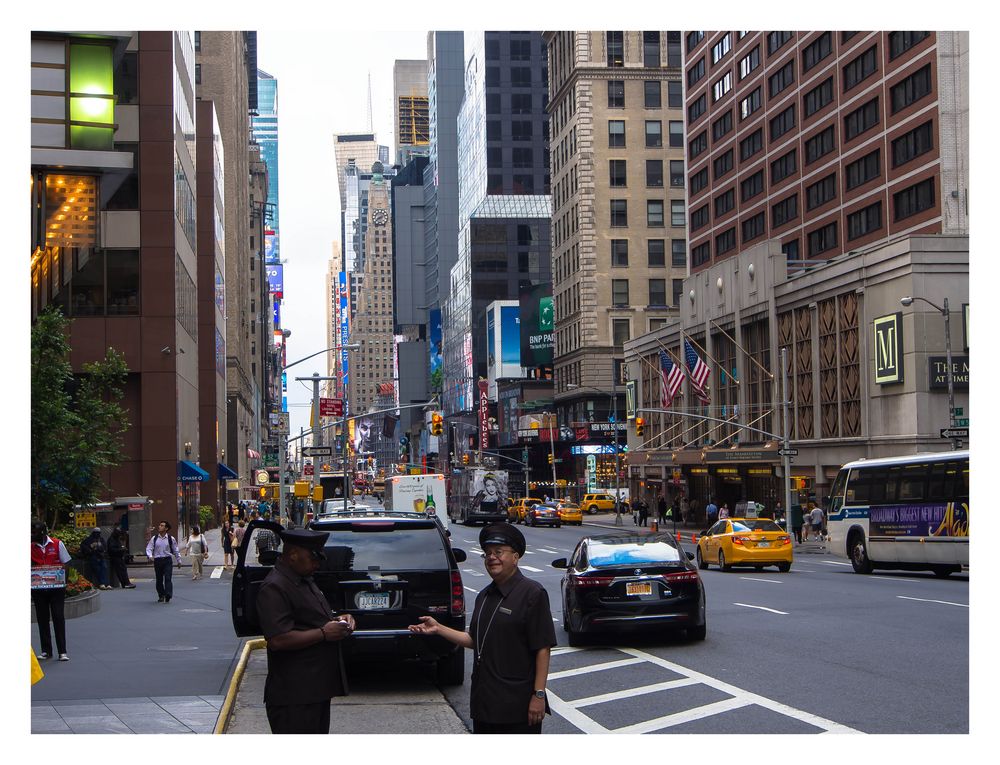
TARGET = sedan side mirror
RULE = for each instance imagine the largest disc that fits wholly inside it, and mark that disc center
(460, 556)
(690, 556)
(560, 563)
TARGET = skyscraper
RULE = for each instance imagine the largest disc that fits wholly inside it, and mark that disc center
(265, 132)
(412, 130)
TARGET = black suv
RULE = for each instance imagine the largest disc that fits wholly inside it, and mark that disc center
(385, 568)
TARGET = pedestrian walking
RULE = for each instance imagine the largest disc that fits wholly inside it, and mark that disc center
(643, 513)
(49, 592)
(816, 520)
(196, 546)
(118, 557)
(227, 544)
(162, 548)
(685, 510)
(238, 532)
(511, 635)
(711, 513)
(796, 516)
(305, 668)
(661, 508)
(93, 550)
(724, 511)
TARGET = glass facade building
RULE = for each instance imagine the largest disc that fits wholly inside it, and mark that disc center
(265, 133)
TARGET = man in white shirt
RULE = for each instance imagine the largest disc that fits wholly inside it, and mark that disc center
(162, 548)
(816, 519)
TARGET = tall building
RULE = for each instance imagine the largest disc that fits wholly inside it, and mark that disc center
(265, 132)
(618, 191)
(409, 105)
(331, 294)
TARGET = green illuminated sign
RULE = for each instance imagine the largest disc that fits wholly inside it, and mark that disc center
(91, 97)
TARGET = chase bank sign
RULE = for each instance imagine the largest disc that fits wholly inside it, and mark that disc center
(888, 349)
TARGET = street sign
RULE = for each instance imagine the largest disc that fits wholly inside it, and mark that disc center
(954, 432)
(86, 520)
(962, 422)
(317, 451)
(788, 452)
(958, 411)
(331, 407)
(307, 469)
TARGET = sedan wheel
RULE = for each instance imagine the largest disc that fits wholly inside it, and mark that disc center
(702, 564)
(592, 509)
(722, 562)
(697, 633)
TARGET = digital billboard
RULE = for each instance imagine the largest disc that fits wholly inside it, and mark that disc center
(537, 323)
(275, 279)
(344, 326)
(434, 320)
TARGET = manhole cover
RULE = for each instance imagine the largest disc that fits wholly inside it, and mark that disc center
(173, 648)
(199, 610)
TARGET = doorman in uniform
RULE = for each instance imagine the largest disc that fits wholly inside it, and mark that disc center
(511, 634)
(304, 664)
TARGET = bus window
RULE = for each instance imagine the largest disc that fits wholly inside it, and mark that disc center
(837, 492)
(962, 482)
(912, 480)
(883, 486)
(858, 487)
(941, 483)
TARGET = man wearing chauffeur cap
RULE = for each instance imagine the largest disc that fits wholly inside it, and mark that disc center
(511, 634)
(304, 664)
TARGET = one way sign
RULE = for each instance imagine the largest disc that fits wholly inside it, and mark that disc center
(954, 432)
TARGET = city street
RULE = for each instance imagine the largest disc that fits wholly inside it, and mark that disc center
(817, 649)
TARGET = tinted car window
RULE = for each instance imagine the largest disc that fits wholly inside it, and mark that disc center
(403, 549)
(762, 525)
(632, 553)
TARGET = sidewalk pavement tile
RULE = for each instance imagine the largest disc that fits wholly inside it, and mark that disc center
(88, 710)
(154, 724)
(50, 726)
(107, 724)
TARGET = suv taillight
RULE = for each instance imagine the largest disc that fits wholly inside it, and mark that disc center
(457, 595)
(682, 576)
(589, 581)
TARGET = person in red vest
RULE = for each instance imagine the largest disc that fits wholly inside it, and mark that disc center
(50, 553)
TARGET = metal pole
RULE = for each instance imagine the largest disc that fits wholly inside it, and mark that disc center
(786, 458)
(552, 451)
(614, 404)
(282, 445)
(956, 443)
(343, 453)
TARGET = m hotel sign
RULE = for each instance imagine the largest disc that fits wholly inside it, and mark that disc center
(889, 349)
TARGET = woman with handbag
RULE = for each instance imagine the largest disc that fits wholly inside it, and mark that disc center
(197, 548)
(227, 543)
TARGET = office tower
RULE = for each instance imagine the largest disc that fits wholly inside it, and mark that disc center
(265, 132)
(412, 129)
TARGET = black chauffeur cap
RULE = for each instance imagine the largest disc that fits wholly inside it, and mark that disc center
(503, 534)
(307, 538)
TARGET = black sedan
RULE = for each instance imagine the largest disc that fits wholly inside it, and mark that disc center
(620, 582)
(544, 513)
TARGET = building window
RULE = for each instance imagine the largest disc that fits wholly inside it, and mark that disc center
(197, 74)
(861, 119)
(722, 86)
(654, 213)
(912, 89)
(616, 172)
(818, 97)
(521, 130)
(699, 180)
(698, 144)
(677, 133)
(721, 48)
(651, 94)
(750, 104)
(845, 36)
(819, 145)
(520, 76)
(655, 253)
(752, 186)
(658, 292)
(650, 48)
(821, 192)
(751, 144)
(197, 42)
(864, 221)
(619, 291)
(492, 76)
(900, 42)
(722, 125)
(676, 173)
(860, 68)
(862, 170)
(750, 62)
(678, 253)
(654, 134)
(781, 79)
(816, 51)
(918, 141)
(724, 202)
(782, 123)
(619, 213)
(722, 164)
(699, 218)
(675, 96)
(520, 50)
(785, 211)
(616, 49)
(616, 134)
(696, 72)
(700, 254)
(677, 289)
(783, 167)
(520, 103)
(654, 173)
(822, 239)
(696, 109)
(913, 200)
(619, 253)
(775, 40)
(522, 157)
(753, 227)
(693, 38)
(673, 48)
(725, 241)
(616, 94)
(791, 250)
(621, 331)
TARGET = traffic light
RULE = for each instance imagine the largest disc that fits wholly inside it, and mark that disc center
(437, 424)
(465, 459)
(640, 426)
(550, 458)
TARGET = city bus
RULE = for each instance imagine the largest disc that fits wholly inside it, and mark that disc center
(907, 512)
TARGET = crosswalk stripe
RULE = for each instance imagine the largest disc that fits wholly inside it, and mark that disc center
(630, 692)
(595, 668)
(532, 569)
(216, 573)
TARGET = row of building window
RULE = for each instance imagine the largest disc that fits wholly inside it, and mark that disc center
(615, 44)
(653, 131)
(617, 173)
(657, 293)
(655, 253)
(652, 94)
(654, 213)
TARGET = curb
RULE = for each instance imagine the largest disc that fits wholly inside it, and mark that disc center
(88, 602)
(234, 684)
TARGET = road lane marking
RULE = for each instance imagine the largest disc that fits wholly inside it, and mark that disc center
(688, 715)
(762, 608)
(470, 589)
(942, 602)
(595, 668)
(751, 579)
(834, 563)
(216, 572)
(473, 572)
(630, 692)
(894, 579)
(547, 550)
(531, 569)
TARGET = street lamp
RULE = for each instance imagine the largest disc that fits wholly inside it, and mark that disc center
(908, 301)
(614, 404)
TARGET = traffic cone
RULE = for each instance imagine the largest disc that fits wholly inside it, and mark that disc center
(654, 526)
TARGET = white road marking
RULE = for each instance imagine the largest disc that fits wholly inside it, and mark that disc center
(893, 579)
(942, 602)
(531, 569)
(762, 608)
(547, 550)
(630, 692)
(470, 589)
(473, 572)
(216, 572)
(834, 563)
(594, 668)
(751, 579)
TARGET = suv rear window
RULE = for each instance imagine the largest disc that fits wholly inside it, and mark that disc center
(356, 547)
(631, 553)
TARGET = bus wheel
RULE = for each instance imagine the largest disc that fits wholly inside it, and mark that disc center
(859, 555)
(943, 572)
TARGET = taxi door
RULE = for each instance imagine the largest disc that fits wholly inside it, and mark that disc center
(255, 559)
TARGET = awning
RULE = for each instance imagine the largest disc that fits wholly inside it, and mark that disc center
(188, 471)
(254, 455)
(227, 472)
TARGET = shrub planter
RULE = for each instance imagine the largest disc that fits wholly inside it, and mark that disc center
(79, 605)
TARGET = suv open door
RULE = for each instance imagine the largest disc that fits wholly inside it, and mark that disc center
(255, 559)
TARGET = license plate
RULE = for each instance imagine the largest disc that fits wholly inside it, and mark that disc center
(373, 600)
(763, 544)
(638, 588)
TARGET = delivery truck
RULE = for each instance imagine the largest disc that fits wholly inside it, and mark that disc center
(423, 493)
(479, 496)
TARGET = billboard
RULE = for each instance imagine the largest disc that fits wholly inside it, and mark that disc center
(345, 313)
(270, 247)
(275, 279)
(434, 320)
(503, 341)
(537, 324)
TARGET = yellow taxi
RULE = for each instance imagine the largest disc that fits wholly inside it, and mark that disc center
(517, 512)
(593, 503)
(756, 542)
(569, 512)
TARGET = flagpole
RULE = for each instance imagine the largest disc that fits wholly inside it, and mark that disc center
(745, 352)
(707, 354)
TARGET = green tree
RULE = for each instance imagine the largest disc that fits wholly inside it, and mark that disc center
(77, 422)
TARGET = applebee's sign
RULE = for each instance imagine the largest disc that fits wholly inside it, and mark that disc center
(484, 415)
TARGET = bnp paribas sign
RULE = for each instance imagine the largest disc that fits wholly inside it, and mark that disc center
(888, 349)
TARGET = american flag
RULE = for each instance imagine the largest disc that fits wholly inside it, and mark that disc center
(671, 379)
(699, 372)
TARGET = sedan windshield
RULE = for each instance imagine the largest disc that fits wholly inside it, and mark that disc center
(758, 525)
(632, 553)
